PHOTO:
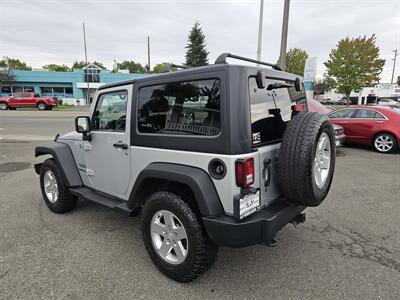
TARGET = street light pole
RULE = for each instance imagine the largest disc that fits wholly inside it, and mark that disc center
(285, 25)
(260, 25)
(148, 54)
(86, 62)
(394, 64)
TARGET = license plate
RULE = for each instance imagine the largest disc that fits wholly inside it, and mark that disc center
(249, 204)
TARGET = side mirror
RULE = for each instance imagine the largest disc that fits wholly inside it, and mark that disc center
(297, 84)
(260, 80)
(82, 125)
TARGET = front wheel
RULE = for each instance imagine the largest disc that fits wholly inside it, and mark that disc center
(55, 194)
(174, 238)
(385, 143)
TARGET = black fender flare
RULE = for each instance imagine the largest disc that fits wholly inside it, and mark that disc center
(196, 179)
(64, 159)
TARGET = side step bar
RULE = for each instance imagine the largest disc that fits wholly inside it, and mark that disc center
(100, 198)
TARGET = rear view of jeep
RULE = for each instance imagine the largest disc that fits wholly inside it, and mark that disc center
(220, 155)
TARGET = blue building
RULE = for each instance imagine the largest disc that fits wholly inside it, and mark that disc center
(80, 84)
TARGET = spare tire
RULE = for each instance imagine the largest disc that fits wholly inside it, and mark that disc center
(307, 159)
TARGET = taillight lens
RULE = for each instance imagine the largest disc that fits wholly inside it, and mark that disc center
(245, 172)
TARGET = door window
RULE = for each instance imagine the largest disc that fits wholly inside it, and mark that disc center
(342, 114)
(110, 113)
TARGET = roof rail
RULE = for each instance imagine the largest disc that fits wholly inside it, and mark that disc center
(222, 60)
(169, 67)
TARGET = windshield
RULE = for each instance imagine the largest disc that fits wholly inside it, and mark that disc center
(272, 109)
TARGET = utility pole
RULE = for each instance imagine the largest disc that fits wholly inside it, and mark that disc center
(260, 26)
(394, 64)
(148, 53)
(285, 25)
(86, 62)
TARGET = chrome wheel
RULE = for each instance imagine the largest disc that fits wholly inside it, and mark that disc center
(322, 160)
(169, 237)
(3, 106)
(384, 143)
(50, 186)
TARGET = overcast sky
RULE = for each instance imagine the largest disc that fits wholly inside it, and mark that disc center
(50, 31)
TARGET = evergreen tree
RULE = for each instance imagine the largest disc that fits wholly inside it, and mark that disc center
(196, 53)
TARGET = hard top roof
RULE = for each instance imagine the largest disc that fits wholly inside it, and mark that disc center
(204, 69)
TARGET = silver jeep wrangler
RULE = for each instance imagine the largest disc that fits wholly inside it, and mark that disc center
(220, 155)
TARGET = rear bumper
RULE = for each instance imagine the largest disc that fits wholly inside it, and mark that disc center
(260, 227)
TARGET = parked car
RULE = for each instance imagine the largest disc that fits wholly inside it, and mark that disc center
(377, 126)
(315, 106)
(196, 153)
(387, 102)
(27, 100)
(343, 101)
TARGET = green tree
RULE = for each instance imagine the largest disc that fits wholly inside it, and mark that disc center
(324, 85)
(196, 53)
(56, 68)
(161, 67)
(14, 64)
(295, 61)
(82, 64)
(6, 78)
(131, 66)
(355, 63)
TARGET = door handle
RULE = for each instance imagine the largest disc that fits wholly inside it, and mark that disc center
(120, 145)
(378, 122)
(343, 122)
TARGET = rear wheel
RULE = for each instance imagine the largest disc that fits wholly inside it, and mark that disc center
(41, 106)
(3, 106)
(175, 239)
(385, 143)
(54, 192)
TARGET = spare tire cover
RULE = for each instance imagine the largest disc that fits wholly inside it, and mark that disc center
(307, 159)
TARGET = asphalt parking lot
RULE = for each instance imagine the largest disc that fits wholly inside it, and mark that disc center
(349, 247)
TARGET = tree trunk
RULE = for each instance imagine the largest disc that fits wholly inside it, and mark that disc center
(347, 99)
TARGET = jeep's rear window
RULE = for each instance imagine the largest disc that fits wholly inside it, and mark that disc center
(271, 109)
(184, 108)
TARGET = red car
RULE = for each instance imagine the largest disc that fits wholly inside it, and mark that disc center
(378, 126)
(27, 100)
(315, 106)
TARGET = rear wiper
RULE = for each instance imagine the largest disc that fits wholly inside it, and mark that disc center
(273, 86)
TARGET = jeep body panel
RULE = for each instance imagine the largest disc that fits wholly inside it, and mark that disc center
(64, 158)
(197, 180)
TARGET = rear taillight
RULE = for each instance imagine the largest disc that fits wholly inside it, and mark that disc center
(245, 172)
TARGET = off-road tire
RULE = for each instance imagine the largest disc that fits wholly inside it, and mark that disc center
(65, 201)
(41, 106)
(201, 252)
(3, 106)
(388, 135)
(297, 158)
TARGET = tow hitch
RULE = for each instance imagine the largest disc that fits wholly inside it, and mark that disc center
(300, 218)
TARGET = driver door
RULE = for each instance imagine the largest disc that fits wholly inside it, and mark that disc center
(108, 154)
